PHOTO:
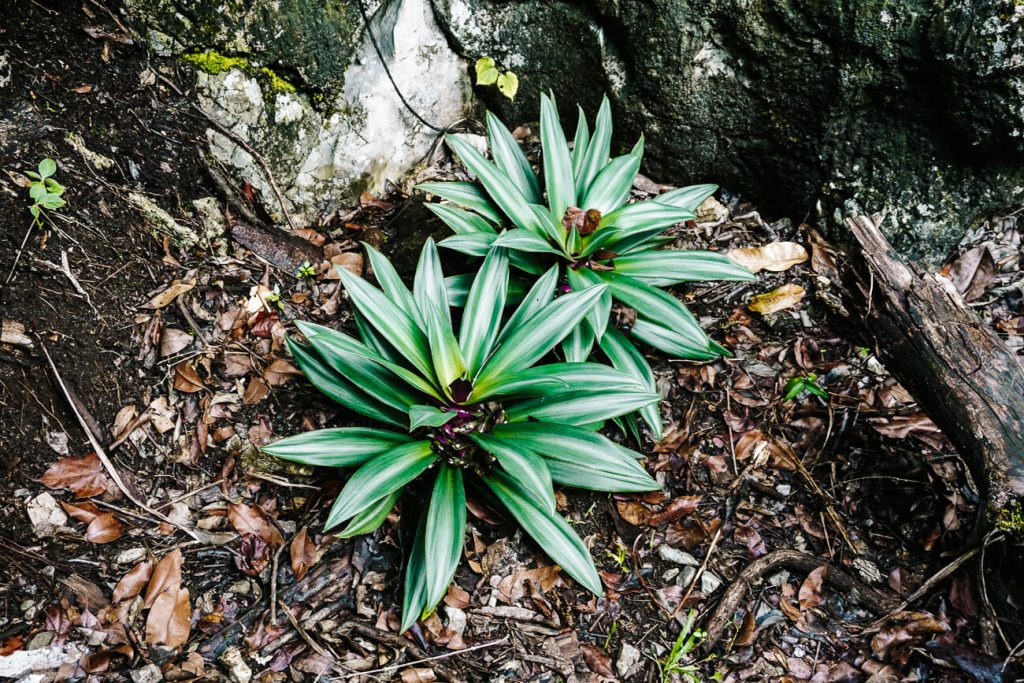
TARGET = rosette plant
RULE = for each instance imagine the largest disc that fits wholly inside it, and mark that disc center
(581, 222)
(476, 407)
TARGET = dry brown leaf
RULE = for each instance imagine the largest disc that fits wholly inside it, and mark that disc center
(168, 622)
(418, 675)
(166, 577)
(173, 340)
(973, 272)
(810, 590)
(253, 520)
(303, 553)
(352, 261)
(777, 299)
(597, 660)
(134, 580)
(104, 529)
(514, 586)
(176, 289)
(775, 257)
(186, 379)
(280, 371)
(255, 391)
(85, 476)
(83, 512)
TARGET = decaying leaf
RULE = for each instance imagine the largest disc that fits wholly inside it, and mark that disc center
(186, 379)
(973, 272)
(775, 257)
(253, 520)
(85, 476)
(176, 289)
(810, 590)
(166, 576)
(280, 371)
(777, 299)
(173, 340)
(134, 580)
(104, 528)
(168, 621)
(303, 552)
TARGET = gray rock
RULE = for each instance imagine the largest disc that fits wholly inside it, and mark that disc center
(670, 554)
(913, 109)
(305, 88)
(148, 674)
(628, 661)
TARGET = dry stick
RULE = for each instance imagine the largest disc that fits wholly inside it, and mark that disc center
(102, 454)
(240, 141)
(393, 667)
(398, 643)
(305, 636)
(721, 617)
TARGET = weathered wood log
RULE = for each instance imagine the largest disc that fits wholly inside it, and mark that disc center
(958, 370)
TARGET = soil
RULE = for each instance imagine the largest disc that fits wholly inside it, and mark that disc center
(184, 388)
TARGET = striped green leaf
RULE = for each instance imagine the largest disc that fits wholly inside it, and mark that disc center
(391, 321)
(470, 195)
(527, 343)
(428, 284)
(580, 142)
(645, 215)
(414, 598)
(337, 447)
(549, 530)
(539, 296)
(554, 379)
(558, 176)
(581, 278)
(383, 474)
(459, 286)
(579, 457)
(523, 465)
(578, 344)
(501, 190)
(656, 306)
(581, 407)
(669, 267)
(461, 222)
(445, 532)
(472, 244)
(428, 416)
(523, 240)
(611, 187)
(372, 517)
(598, 150)
(687, 197)
(392, 284)
(340, 390)
(449, 364)
(672, 342)
(509, 157)
(626, 358)
(485, 305)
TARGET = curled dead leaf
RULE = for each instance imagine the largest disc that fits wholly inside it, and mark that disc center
(186, 379)
(168, 622)
(166, 577)
(775, 257)
(254, 520)
(105, 528)
(173, 340)
(280, 371)
(778, 299)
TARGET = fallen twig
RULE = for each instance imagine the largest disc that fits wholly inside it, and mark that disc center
(101, 453)
(394, 667)
(399, 643)
(722, 616)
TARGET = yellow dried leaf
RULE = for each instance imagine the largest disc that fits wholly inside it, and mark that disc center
(776, 257)
(777, 299)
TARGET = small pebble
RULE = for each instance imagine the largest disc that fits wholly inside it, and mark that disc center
(676, 556)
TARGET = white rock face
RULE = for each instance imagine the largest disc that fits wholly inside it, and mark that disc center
(323, 160)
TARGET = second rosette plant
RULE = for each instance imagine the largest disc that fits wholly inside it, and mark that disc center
(476, 405)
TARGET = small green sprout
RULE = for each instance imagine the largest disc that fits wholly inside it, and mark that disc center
(798, 385)
(620, 555)
(676, 662)
(275, 297)
(305, 270)
(487, 73)
(44, 191)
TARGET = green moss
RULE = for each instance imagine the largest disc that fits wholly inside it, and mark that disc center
(1010, 519)
(214, 63)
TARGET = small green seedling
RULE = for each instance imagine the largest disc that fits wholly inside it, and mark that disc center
(487, 73)
(275, 297)
(677, 663)
(798, 385)
(306, 270)
(44, 191)
(620, 555)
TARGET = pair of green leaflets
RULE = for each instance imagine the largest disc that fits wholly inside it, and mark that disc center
(454, 370)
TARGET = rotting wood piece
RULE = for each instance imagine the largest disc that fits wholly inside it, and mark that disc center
(958, 370)
(722, 616)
